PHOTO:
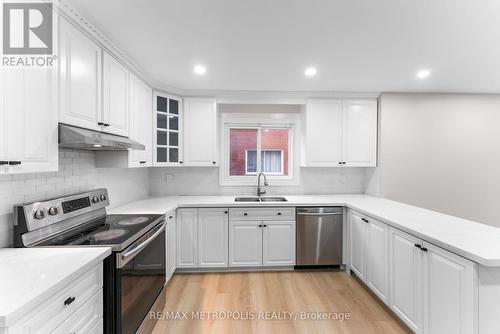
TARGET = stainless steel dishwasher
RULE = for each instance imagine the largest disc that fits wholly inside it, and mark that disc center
(319, 236)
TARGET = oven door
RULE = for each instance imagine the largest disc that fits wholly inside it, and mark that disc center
(140, 277)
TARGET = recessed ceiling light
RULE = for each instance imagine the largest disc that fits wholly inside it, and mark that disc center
(310, 71)
(97, 145)
(200, 69)
(422, 74)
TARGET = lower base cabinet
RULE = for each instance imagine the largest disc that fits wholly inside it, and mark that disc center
(430, 289)
(171, 246)
(245, 244)
(261, 243)
(202, 238)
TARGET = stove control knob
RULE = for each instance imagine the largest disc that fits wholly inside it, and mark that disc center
(53, 211)
(103, 197)
(95, 199)
(39, 214)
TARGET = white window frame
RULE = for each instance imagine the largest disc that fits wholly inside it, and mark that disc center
(259, 122)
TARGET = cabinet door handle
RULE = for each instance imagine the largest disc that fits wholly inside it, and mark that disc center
(69, 300)
(424, 249)
(142, 162)
(181, 162)
(13, 163)
(418, 245)
(279, 213)
(225, 212)
(106, 124)
(170, 217)
(340, 162)
(245, 214)
(213, 162)
(4, 162)
(264, 225)
(365, 220)
(101, 124)
(260, 225)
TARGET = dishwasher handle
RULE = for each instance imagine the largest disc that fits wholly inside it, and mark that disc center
(319, 213)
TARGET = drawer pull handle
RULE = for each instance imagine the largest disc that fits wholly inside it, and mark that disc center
(245, 214)
(418, 245)
(279, 213)
(365, 220)
(170, 217)
(424, 249)
(14, 163)
(260, 225)
(225, 212)
(69, 300)
(264, 225)
(4, 162)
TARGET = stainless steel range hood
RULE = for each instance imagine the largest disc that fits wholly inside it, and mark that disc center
(83, 139)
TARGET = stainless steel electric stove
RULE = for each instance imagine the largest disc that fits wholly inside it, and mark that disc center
(134, 275)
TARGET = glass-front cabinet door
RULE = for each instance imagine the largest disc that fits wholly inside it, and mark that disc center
(168, 125)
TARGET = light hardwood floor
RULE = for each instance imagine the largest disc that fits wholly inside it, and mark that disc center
(297, 291)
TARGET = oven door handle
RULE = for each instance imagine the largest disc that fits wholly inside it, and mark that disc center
(125, 257)
(319, 213)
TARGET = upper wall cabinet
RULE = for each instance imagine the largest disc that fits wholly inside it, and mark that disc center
(80, 78)
(323, 133)
(167, 150)
(115, 114)
(28, 120)
(141, 122)
(93, 85)
(340, 132)
(359, 132)
(200, 132)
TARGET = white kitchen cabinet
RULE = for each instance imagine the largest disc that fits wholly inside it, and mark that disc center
(168, 120)
(323, 132)
(340, 132)
(55, 315)
(449, 292)
(358, 244)
(213, 237)
(87, 319)
(115, 96)
(171, 246)
(377, 258)
(29, 120)
(141, 122)
(405, 277)
(278, 243)
(359, 132)
(200, 132)
(80, 78)
(187, 238)
(245, 243)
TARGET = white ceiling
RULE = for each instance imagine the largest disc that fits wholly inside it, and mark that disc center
(356, 45)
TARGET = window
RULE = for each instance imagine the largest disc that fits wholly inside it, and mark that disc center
(255, 149)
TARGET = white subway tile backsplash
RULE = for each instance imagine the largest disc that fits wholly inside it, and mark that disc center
(77, 173)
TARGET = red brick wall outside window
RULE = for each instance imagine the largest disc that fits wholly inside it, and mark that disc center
(241, 140)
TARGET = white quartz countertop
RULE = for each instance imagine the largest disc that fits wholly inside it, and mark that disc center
(29, 276)
(475, 241)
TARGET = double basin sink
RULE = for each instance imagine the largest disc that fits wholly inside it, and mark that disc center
(260, 199)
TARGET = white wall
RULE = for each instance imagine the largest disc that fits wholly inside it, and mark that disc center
(440, 152)
(77, 173)
(205, 181)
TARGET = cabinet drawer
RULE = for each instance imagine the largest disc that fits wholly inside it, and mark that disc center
(47, 316)
(86, 319)
(262, 214)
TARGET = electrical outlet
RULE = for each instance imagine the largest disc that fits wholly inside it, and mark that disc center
(168, 178)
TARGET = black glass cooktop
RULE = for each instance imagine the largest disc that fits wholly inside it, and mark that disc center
(111, 230)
